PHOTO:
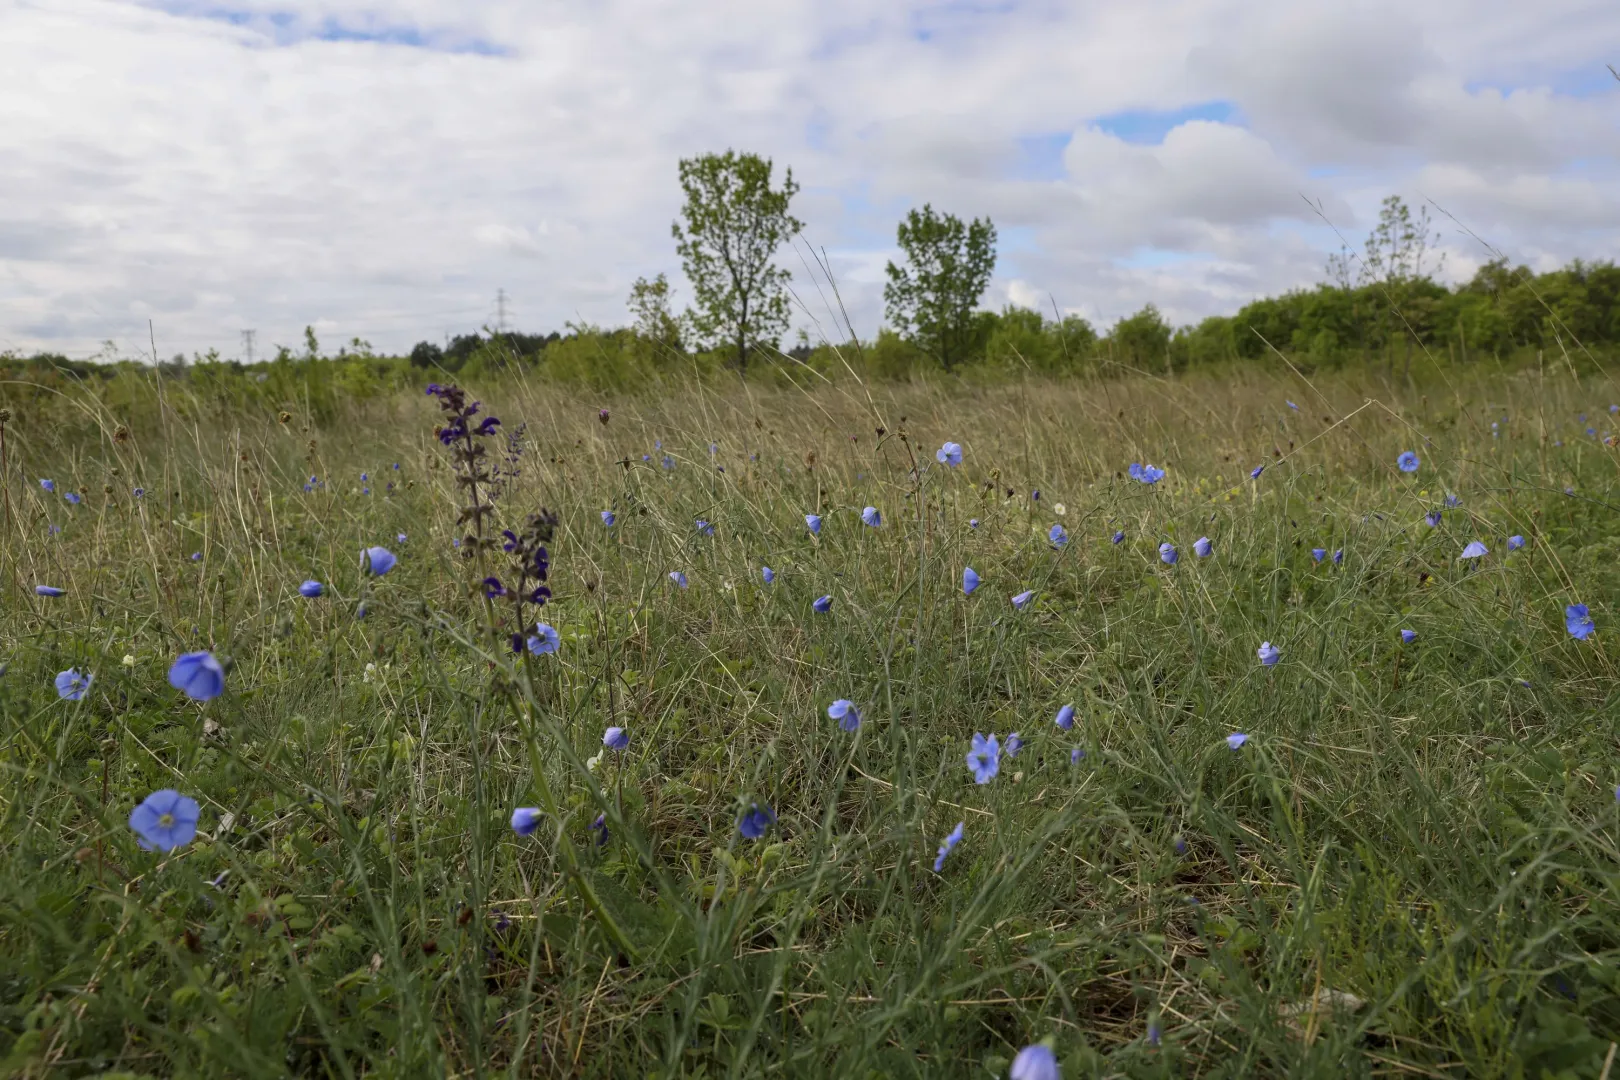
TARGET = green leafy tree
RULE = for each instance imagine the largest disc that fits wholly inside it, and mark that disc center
(426, 355)
(1021, 339)
(1143, 338)
(654, 324)
(734, 221)
(932, 299)
(1392, 269)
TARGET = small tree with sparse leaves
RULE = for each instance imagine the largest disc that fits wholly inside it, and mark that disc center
(733, 223)
(654, 324)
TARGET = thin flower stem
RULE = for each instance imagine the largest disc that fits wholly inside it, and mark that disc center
(587, 892)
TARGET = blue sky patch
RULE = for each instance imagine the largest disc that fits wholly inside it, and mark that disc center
(1040, 157)
(1148, 127)
(287, 28)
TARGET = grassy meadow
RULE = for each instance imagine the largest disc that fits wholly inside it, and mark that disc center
(1410, 867)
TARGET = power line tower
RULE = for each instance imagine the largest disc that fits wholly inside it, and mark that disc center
(247, 344)
(500, 310)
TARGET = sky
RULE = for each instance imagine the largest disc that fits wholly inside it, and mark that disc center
(174, 172)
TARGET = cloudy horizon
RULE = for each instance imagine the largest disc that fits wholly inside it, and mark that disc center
(379, 170)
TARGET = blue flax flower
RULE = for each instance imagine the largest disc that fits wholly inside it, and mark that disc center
(1035, 1062)
(379, 560)
(48, 590)
(669, 462)
(1515, 542)
(544, 640)
(984, 760)
(973, 523)
(1076, 756)
(678, 578)
(1407, 462)
(72, 685)
(165, 820)
(756, 821)
(198, 675)
(1452, 501)
(951, 840)
(1578, 621)
(1268, 653)
(768, 574)
(1058, 535)
(73, 498)
(822, 604)
(1254, 474)
(601, 829)
(970, 581)
(1168, 554)
(949, 454)
(1474, 550)
(1023, 598)
(1408, 636)
(845, 712)
(608, 519)
(1318, 554)
(871, 516)
(615, 738)
(48, 485)
(1290, 404)
(311, 589)
(813, 523)
(1015, 743)
(1433, 518)
(526, 819)
(704, 527)
(1065, 717)
(1118, 537)
(1236, 740)
(1147, 474)
(1338, 557)
(1203, 547)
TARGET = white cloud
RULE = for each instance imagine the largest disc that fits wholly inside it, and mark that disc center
(162, 161)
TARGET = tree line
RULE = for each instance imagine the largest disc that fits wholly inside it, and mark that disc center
(1381, 305)
(1378, 305)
